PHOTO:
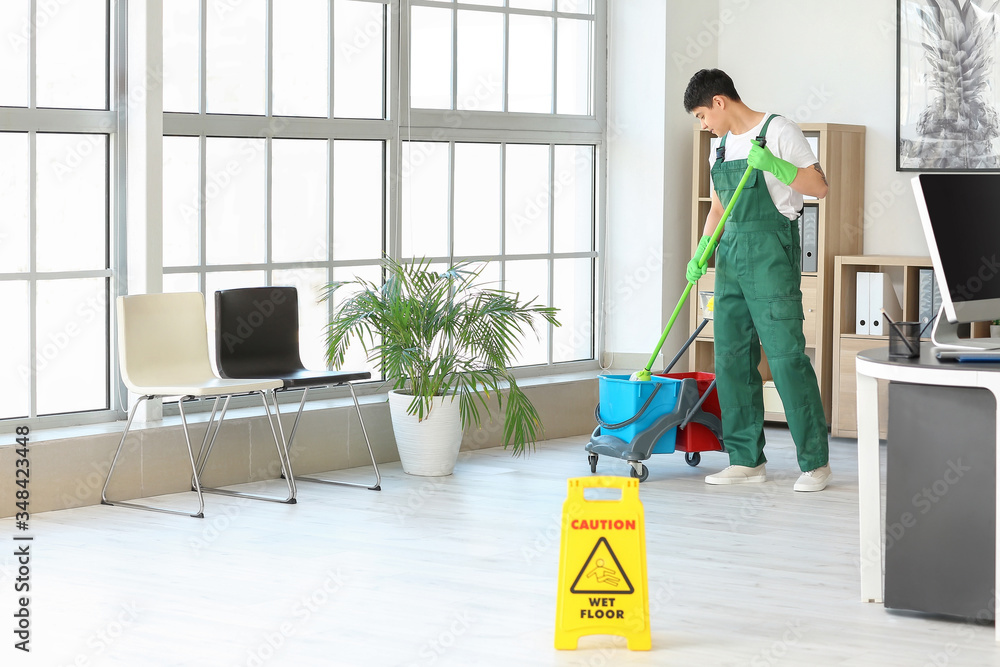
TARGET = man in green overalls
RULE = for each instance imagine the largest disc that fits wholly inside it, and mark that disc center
(757, 275)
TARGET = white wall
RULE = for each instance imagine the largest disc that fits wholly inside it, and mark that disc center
(841, 68)
(811, 61)
(649, 170)
(635, 176)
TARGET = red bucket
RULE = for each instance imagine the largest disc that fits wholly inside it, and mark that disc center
(697, 437)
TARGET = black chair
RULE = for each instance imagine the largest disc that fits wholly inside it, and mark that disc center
(257, 336)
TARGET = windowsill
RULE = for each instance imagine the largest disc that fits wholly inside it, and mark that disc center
(369, 397)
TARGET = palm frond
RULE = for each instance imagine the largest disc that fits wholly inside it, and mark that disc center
(442, 333)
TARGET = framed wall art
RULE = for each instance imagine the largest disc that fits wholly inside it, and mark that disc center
(947, 85)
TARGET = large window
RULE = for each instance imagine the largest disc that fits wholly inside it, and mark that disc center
(302, 141)
(274, 163)
(56, 147)
(501, 149)
(530, 56)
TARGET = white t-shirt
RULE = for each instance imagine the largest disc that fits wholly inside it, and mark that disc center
(784, 140)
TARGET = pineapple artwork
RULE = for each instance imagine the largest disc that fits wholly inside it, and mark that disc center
(959, 126)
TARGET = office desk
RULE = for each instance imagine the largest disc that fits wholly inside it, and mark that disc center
(871, 366)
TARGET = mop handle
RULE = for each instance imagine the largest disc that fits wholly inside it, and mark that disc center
(710, 248)
(702, 261)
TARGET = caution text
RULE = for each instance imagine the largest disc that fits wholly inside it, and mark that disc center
(602, 524)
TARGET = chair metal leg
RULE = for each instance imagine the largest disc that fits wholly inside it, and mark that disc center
(208, 441)
(104, 492)
(377, 486)
(282, 457)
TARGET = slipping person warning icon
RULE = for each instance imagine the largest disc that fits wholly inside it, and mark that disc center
(604, 575)
(597, 574)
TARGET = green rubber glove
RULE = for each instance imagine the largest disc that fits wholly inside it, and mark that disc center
(762, 158)
(693, 270)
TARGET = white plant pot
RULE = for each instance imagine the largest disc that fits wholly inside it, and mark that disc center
(995, 331)
(428, 448)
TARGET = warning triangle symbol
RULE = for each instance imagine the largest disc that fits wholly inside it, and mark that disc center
(602, 573)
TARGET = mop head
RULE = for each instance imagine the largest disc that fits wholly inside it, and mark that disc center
(641, 376)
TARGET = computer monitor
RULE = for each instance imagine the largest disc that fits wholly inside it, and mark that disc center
(960, 215)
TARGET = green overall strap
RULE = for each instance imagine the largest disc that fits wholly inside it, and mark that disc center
(763, 130)
(720, 152)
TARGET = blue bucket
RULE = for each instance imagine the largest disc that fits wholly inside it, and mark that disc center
(621, 399)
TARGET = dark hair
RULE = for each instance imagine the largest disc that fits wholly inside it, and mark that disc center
(706, 84)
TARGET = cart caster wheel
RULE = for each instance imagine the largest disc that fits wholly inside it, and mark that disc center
(642, 476)
(692, 458)
(592, 460)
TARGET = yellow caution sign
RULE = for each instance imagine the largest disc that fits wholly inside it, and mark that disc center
(602, 566)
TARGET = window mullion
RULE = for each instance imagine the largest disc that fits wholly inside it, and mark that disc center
(503, 214)
(506, 62)
(555, 67)
(203, 59)
(269, 60)
(330, 57)
(268, 143)
(451, 203)
(32, 59)
(202, 211)
(550, 296)
(454, 58)
(32, 268)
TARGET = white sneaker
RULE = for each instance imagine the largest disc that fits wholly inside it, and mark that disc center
(814, 480)
(738, 475)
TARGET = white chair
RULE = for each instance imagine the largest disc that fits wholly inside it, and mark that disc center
(163, 352)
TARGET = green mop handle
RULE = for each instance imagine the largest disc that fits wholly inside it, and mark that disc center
(702, 261)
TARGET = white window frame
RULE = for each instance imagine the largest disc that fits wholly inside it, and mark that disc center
(420, 124)
(33, 120)
(401, 123)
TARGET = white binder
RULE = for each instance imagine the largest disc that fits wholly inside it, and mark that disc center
(861, 317)
(881, 296)
(925, 296)
(809, 223)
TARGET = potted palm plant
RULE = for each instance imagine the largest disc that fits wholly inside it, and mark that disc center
(445, 341)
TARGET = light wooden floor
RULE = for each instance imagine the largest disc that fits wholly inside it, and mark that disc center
(462, 571)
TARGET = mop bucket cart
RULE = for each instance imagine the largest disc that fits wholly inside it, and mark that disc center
(670, 412)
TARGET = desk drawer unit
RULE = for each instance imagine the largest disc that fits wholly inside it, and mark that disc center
(940, 519)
